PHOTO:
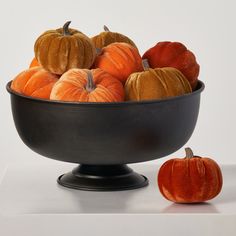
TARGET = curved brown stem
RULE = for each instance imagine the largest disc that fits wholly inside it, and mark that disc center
(106, 28)
(145, 64)
(90, 86)
(65, 28)
(189, 152)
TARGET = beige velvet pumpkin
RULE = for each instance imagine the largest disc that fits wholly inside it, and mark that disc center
(107, 37)
(64, 48)
(156, 84)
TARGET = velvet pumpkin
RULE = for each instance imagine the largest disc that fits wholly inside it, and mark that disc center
(174, 54)
(156, 84)
(81, 85)
(107, 37)
(120, 60)
(190, 180)
(64, 48)
(34, 63)
(34, 82)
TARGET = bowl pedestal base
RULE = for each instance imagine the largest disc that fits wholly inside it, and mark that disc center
(102, 178)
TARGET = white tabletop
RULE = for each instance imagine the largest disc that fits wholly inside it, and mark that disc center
(31, 202)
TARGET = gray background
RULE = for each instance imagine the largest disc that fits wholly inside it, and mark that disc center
(205, 27)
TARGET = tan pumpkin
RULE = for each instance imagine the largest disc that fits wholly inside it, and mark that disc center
(156, 84)
(82, 85)
(107, 37)
(64, 48)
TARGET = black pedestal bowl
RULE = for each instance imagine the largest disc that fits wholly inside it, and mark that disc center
(104, 137)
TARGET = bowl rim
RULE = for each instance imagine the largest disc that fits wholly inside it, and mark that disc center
(124, 103)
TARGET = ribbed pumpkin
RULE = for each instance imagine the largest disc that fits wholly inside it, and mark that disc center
(119, 60)
(174, 54)
(34, 63)
(191, 179)
(64, 48)
(81, 85)
(34, 82)
(156, 84)
(107, 37)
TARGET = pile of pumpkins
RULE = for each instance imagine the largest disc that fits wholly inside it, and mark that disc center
(70, 66)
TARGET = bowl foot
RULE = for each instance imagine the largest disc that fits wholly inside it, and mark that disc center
(102, 178)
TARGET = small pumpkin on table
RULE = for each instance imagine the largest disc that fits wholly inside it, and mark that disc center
(192, 179)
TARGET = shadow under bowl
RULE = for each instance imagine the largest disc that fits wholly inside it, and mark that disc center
(104, 137)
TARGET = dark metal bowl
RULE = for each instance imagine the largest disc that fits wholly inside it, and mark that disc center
(103, 137)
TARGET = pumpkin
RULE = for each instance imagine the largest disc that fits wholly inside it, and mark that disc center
(174, 54)
(34, 82)
(156, 84)
(34, 63)
(190, 180)
(64, 48)
(107, 37)
(120, 60)
(81, 85)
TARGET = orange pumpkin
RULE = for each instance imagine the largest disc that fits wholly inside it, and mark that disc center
(174, 54)
(82, 85)
(34, 82)
(190, 180)
(34, 63)
(119, 60)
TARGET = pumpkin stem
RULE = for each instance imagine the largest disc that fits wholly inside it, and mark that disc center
(145, 64)
(98, 51)
(106, 28)
(189, 152)
(90, 86)
(65, 28)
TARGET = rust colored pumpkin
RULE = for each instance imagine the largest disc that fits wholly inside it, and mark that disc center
(64, 48)
(81, 85)
(191, 179)
(120, 60)
(156, 83)
(174, 54)
(34, 63)
(34, 82)
(107, 37)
